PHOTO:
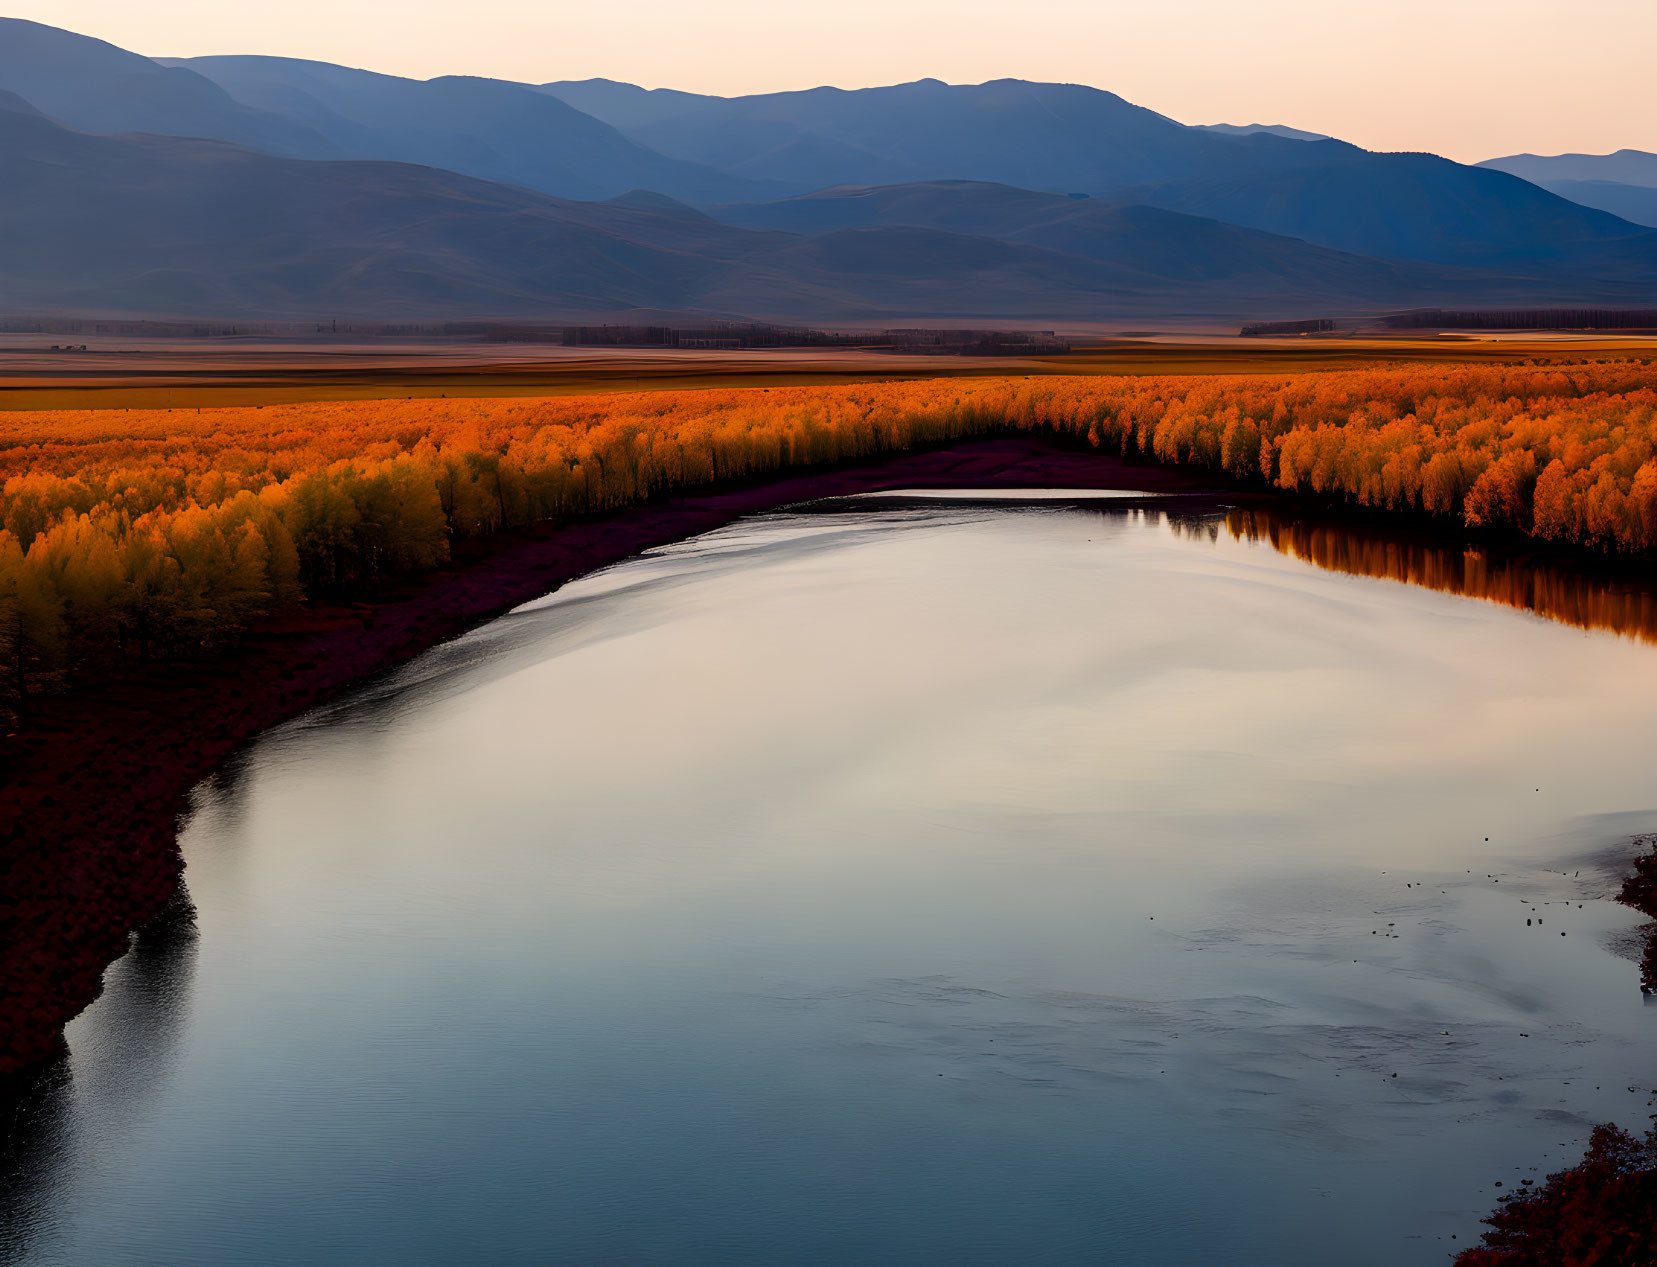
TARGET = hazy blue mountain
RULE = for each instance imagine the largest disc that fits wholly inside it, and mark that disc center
(164, 225)
(650, 200)
(627, 106)
(1249, 129)
(479, 127)
(12, 103)
(1623, 183)
(1412, 207)
(1165, 245)
(500, 131)
(169, 225)
(1062, 138)
(1059, 137)
(89, 84)
(274, 186)
(1624, 167)
(1634, 203)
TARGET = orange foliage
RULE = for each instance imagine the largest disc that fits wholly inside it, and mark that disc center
(127, 533)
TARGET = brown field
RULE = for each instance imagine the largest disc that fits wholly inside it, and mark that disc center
(131, 372)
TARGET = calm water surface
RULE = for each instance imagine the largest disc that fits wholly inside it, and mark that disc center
(947, 883)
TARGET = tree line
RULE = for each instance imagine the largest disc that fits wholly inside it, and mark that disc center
(1524, 319)
(127, 535)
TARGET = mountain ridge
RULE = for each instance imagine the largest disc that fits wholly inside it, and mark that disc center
(488, 128)
(1623, 183)
(139, 184)
(157, 225)
(1059, 137)
(1067, 138)
(91, 84)
(1276, 129)
(1624, 167)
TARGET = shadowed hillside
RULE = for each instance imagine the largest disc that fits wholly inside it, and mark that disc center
(1165, 245)
(89, 84)
(1625, 167)
(159, 224)
(1066, 138)
(1276, 129)
(1635, 203)
(1060, 137)
(478, 127)
(1417, 207)
(1623, 183)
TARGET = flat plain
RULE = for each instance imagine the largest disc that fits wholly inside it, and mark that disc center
(167, 373)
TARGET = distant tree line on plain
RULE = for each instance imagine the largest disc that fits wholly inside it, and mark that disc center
(127, 535)
(746, 335)
(719, 334)
(730, 334)
(1264, 329)
(144, 328)
(1523, 319)
(978, 342)
(1469, 319)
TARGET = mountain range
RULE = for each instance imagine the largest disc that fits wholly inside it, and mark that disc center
(245, 186)
(1623, 183)
(195, 227)
(1061, 138)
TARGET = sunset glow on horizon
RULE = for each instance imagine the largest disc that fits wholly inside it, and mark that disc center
(1470, 80)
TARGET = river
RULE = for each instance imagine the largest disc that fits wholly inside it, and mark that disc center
(892, 880)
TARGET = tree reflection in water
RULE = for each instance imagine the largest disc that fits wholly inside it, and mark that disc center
(1620, 605)
(1601, 602)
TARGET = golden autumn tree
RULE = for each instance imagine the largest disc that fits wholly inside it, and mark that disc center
(133, 533)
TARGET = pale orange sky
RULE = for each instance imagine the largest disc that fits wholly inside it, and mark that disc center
(1470, 79)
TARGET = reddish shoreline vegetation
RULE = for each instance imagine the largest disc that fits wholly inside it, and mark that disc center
(1639, 891)
(1602, 1212)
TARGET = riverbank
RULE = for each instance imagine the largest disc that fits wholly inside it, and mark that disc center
(96, 782)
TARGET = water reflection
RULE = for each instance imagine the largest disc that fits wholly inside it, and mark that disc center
(1621, 606)
(34, 1149)
(586, 612)
(935, 882)
(146, 999)
(80, 1107)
